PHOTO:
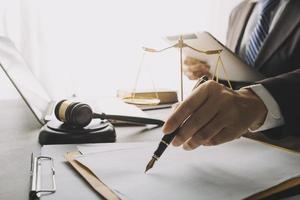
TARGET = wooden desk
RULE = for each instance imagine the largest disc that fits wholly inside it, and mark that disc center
(19, 137)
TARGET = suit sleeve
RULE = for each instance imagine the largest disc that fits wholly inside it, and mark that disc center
(285, 89)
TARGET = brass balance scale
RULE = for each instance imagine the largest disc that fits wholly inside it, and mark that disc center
(134, 99)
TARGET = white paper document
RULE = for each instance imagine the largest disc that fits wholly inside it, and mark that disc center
(233, 170)
(236, 69)
(94, 148)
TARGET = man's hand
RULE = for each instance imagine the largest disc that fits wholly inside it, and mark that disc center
(214, 114)
(194, 68)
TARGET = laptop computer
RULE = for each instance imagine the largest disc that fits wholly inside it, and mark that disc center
(24, 81)
(37, 98)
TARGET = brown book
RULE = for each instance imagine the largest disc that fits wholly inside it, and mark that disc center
(165, 96)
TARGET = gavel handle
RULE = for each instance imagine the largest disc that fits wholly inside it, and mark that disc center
(139, 120)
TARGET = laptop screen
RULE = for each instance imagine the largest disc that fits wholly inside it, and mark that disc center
(23, 79)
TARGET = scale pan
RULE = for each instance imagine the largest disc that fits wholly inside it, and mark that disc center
(141, 101)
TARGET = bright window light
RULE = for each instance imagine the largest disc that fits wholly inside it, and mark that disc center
(92, 47)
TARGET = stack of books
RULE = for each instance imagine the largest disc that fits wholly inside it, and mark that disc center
(165, 98)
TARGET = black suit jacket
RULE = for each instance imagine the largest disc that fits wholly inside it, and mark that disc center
(278, 60)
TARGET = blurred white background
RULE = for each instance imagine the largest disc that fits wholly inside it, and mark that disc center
(92, 47)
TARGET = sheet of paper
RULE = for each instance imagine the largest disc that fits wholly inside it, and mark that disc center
(234, 170)
(95, 148)
(236, 69)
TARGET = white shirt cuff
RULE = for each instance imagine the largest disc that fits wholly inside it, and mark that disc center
(274, 117)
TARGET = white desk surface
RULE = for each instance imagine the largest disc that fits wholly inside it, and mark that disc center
(19, 137)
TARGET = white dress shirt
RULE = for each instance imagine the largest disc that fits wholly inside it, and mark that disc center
(274, 117)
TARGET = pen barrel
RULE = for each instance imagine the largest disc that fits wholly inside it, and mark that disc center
(164, 143)
(200, 81)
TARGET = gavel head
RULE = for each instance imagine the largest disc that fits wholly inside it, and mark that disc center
(74, 114)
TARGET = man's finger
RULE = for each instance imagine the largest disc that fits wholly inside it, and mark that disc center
(196, 121)
(223, 136)
(192, 61)
(190, 75)
(186, 108)
(205, 134)
(198, 67)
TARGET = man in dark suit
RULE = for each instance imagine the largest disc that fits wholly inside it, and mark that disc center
(266, 35)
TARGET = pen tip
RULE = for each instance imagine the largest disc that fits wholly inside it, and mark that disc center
(150, 164)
